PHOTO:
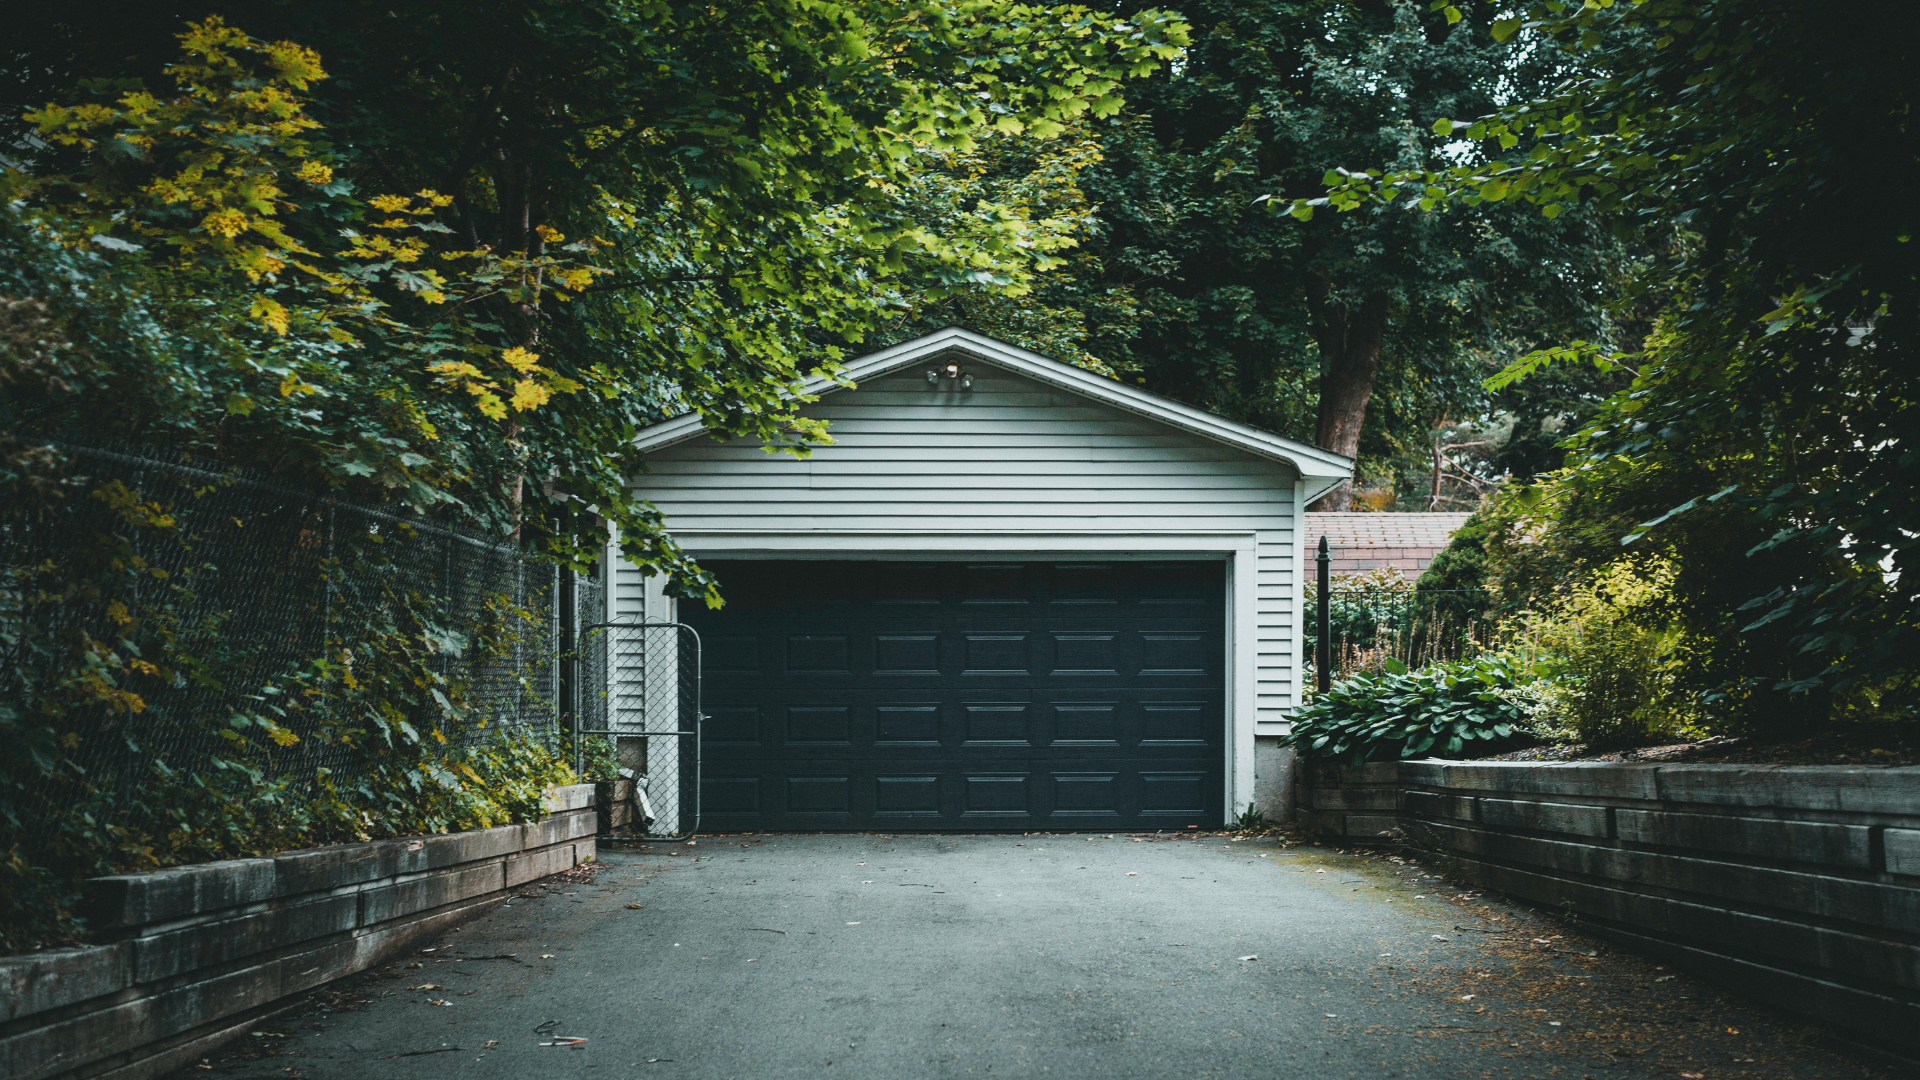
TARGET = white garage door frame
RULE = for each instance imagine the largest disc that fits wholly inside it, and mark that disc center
(1236, 549)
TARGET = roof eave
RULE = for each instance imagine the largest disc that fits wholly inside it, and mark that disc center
(1320, 469)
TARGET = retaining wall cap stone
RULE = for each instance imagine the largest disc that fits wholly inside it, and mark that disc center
(177, 891)
(568, 797)
(1616, 779)
(1801, 787)
(1427, 771)
(35, 982)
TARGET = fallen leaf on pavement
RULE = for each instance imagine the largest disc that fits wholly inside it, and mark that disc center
(566, 1040)
(491, 1043)
(429, 986)
(1246, 958)
(635, 907)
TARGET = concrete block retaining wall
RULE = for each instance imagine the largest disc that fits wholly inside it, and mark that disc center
(1797, 886)
(194, 955)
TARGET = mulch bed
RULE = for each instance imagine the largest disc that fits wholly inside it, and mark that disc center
(1842, 744)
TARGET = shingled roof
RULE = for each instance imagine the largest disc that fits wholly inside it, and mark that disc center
(1364, 541)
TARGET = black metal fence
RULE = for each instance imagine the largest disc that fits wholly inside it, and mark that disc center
(1370, 620)
(161, 620)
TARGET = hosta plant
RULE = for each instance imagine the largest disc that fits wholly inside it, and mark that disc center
(1441, 709)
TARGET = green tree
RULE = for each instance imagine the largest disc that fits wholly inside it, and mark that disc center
(666, 206)
(1359, 332)
(1768, 438)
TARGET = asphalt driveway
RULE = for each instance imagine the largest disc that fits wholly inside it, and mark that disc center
(1060, 955)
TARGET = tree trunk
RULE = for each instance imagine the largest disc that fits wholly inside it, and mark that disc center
(1349, 363)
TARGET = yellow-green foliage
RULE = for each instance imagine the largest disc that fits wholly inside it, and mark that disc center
(1613, 656)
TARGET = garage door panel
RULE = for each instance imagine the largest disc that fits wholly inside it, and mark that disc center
(964, 695)
(888, 653)
(959, 720)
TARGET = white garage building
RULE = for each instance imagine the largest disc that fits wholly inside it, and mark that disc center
(1012, 594)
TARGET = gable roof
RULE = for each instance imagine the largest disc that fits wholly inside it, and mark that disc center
(1321, 469)
(1365, 540)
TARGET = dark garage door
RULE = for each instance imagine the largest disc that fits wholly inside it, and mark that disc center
(897, 696)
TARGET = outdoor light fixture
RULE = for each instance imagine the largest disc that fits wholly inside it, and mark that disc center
(952, 375)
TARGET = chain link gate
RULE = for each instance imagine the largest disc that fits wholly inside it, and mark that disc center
(640, 687)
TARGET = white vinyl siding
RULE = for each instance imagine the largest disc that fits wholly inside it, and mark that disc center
(1011, 456)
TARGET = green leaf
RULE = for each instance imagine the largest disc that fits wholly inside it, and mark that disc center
(1505, 28)
(1443, 126)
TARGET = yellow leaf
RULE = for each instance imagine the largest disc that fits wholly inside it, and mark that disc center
(271, 314)
(227, 223)
(520, 359)
(314, 173)
(528, 394)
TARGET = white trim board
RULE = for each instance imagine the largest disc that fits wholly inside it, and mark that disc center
(1320, 469)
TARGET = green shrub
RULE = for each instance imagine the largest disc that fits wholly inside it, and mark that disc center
(1441, 709)
(1613, 659)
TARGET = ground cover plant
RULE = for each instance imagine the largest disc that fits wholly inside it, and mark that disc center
(1464, 708)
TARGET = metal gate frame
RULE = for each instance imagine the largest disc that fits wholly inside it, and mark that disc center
(599, 691)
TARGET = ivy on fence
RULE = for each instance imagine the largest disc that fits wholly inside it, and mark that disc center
(196, 665)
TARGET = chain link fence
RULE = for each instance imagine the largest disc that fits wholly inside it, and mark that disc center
(168, 627)
(640, 687)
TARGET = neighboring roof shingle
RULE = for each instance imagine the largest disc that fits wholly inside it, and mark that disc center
(1367, 541)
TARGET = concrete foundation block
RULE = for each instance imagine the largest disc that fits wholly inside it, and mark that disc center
(1574, 778)
(1786, 893)
(1275, 765)
(431, 891)
(1356, 798)
(1815, 787)
(545, 862)
(318, 869)
(570, 797)
(452, 849)
(1370, 828)
(218, 940)
(1903, 851)
(1544, 816)
(577, 825)
(177, 892)
(37, 982)
(1796, 841)
(1427, 804)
